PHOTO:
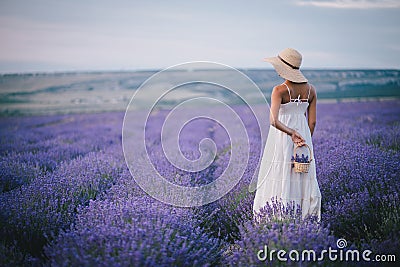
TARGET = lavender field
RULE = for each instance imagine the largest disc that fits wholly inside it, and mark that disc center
(68, 199)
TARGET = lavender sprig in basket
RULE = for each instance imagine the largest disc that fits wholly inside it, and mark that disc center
(301, 164)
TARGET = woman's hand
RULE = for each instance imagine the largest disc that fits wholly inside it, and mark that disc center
(297, 139)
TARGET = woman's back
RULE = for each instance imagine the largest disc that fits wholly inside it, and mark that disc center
(296, 92)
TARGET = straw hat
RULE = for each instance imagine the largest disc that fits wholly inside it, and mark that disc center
(287, 65)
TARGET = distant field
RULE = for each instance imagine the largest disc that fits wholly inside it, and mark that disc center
(62, 93)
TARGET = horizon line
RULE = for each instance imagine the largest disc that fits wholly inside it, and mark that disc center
(6, 73)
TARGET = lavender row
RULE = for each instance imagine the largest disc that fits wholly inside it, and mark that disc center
(30, 147)
(36, 211)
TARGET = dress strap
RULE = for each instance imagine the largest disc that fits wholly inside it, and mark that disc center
(290, 97)
(309, 90)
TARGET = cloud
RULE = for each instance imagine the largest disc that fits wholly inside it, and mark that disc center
(352, 4)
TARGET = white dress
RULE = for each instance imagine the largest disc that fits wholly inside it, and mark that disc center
(276, 178)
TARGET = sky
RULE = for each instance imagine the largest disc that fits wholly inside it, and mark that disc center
(86, 35)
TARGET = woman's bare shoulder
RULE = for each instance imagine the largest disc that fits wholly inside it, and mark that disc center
(279, 89)
(312, 88)
(313, 92)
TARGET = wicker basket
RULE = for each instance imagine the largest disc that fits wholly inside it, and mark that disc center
(300, 167)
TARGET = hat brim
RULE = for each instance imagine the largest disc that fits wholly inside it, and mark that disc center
(285, 71)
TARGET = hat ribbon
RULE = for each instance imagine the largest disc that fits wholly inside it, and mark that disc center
(287, 63)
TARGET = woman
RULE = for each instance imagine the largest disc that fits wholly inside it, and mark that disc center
(293, 119)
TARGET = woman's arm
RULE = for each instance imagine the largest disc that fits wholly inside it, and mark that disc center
(312, 112)
(276, 99)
